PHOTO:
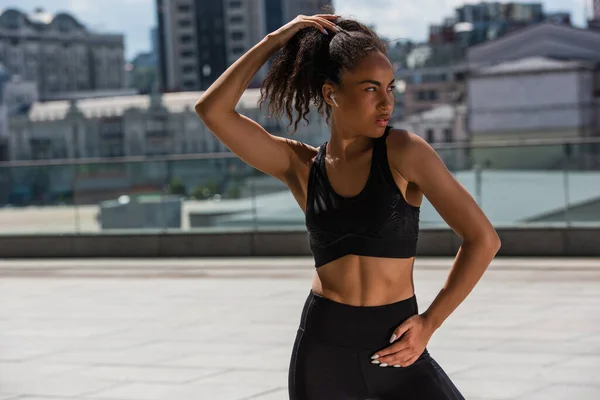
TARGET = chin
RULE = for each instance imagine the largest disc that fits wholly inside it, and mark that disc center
(378, 131)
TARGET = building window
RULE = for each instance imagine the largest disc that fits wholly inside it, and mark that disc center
(429, 136)
(236, 19)
(188, 69)
(237, 35)
(157, 127)
(429, 78)
(187, 54)
(185, 39)
(235, 4)
(184, 8)
(184, 23)
(189, 85)
(448, 135)
(426, 95)
(238, 51)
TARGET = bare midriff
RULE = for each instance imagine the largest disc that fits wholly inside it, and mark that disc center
(365, 281)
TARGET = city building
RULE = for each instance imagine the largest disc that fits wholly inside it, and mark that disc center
(594, 22)
(436, 70)
(443, 124)
(135, 125)
(429, 87)
(199, 39)
(16, 96)
(541, 82)
(59, 53)
(143, 73)
(138, 125)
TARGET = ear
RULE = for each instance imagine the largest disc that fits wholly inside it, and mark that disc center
(327, 90)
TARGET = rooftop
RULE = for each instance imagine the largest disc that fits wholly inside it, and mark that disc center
(532, 64)
(117, 105)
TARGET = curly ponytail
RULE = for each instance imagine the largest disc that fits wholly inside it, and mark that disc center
(308, 61)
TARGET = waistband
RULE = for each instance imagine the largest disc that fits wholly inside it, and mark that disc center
(359, 327)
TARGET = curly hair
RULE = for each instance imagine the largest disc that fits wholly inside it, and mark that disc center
(311, 59)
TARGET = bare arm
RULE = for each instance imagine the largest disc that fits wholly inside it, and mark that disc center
(243, 136)
(419, 163)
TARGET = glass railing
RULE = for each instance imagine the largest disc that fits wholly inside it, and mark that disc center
(545, 184)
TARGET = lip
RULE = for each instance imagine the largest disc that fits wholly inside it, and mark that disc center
(382, 121)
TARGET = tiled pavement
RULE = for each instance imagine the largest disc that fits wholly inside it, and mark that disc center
(223, 329)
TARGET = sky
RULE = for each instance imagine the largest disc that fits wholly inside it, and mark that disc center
(391, 18)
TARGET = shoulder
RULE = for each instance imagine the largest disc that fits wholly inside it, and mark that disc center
(403, 140)
(408, 153)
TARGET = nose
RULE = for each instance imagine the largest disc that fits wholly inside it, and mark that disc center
(386, 103)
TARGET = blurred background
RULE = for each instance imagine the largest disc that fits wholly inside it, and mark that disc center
(105, 166)
(98, 135)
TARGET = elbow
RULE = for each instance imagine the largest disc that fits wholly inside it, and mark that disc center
(489, 241)
(492, 242)
(201, 109)
(208, 111)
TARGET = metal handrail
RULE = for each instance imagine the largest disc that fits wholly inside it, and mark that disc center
(229, 155)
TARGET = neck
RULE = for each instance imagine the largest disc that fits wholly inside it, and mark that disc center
(345, 143)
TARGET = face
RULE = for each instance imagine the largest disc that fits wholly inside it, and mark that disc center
(365, 99)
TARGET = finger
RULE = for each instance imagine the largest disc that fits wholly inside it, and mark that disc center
(310, 23)
(328, 16)
(410, 361)
(397, 358)
(330, 25)
(401, 330)
(395, 348)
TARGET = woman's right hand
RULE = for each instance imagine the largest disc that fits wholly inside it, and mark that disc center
(321, 22)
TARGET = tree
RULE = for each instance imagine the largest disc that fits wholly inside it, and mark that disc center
(177, 187)
(205, 191)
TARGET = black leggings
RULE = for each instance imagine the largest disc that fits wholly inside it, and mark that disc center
(331, 359)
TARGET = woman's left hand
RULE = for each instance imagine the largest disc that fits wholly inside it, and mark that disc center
(417, 331)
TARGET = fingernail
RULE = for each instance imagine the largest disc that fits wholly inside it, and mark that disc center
(397, 366)
(337, 28)
(393, 338)
(376, 356)
(374, 362)
(325, 32)
(383, 365)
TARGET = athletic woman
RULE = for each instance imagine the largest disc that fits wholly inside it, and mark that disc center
(360, 334)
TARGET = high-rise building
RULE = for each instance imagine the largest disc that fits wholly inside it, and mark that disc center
(59, 54)
(596, 10)
(190, 42)
(594, 20)
(199, 39)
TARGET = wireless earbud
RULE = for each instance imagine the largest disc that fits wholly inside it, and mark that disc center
(334, 102)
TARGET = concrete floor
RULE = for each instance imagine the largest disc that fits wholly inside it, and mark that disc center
(224, 329)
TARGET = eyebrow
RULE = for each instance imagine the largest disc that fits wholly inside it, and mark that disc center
(376, 83)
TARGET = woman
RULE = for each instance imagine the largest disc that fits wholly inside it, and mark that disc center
(360, 334)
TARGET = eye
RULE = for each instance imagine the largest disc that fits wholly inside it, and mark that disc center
(392, 88)
(369, 89)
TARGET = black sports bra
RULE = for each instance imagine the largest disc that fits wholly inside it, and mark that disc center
(377, 222)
